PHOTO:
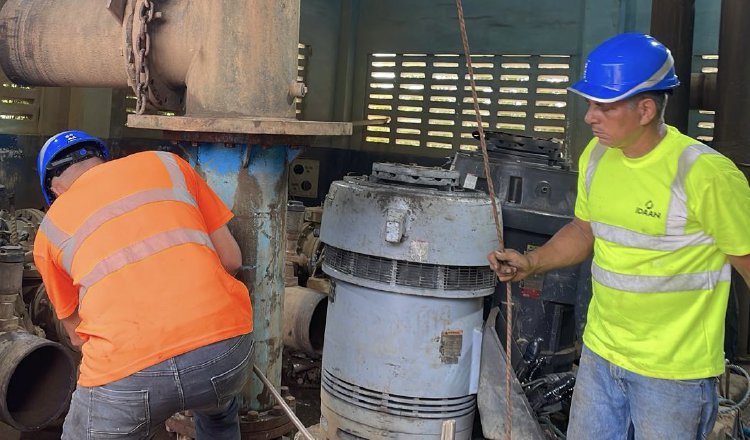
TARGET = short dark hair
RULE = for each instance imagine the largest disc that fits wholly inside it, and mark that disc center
(658, 96)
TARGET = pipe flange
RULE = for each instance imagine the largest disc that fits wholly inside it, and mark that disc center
(11, 254)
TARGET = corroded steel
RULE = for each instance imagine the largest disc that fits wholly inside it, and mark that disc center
(241, 125)
(252, 181)
(248, 60)
(304, 319)
(37, 377)
(241, 56)
(36, 49)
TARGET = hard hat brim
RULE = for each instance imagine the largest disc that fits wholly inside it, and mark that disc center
(598, 93)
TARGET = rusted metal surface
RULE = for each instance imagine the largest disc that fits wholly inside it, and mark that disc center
(672, 23)
(202, 38)
(117, 8)
(151, 91)
(292, 260)
(304, 319)
(241, 56)
(53, 43)
(266, 140)
(37, 377)
(91, 52)
(248, 60)
(11, 280)
(241, 125)
(252, 181)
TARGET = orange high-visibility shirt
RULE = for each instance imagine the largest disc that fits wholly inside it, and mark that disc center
(128, 245)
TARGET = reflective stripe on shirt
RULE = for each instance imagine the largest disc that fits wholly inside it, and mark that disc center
(626, 237)
(674, 239)
(70, 244)
(594, 159)
(140, 251)
(677, 212)
(661, 284)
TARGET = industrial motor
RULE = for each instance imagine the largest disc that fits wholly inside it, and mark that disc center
(537, 193)
(406, 251)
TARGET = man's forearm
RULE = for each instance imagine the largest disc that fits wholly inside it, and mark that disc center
(572, 244)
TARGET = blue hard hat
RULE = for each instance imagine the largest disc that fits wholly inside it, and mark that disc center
(626, 65)
(59, 146)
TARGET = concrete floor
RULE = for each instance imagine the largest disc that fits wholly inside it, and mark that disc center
(308, 410)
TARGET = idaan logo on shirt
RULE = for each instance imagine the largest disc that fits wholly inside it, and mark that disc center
(648, 210)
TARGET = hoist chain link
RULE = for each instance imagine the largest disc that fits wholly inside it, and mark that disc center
(142, 49)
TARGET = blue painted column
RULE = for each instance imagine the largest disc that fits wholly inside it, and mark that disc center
(252, 181)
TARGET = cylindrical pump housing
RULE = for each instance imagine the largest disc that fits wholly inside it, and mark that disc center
(406, 249)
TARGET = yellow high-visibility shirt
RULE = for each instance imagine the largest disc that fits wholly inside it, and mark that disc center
(664, 224)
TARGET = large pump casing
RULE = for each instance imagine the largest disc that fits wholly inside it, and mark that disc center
(409, 270)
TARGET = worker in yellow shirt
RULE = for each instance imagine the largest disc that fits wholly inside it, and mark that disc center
(666, 218)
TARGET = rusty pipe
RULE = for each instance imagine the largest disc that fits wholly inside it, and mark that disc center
(37, 378)
(90, 49)
(61, 43)
(304, 319)
(234, 58)
(248, 60)
(11, 283)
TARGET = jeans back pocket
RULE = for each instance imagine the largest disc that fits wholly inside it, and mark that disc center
(229, 383)
(118, 414)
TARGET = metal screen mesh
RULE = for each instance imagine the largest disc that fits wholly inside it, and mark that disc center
(426, 408)
(410, 274)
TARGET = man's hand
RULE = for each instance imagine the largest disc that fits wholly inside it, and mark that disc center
(510, 265)
(70, 324)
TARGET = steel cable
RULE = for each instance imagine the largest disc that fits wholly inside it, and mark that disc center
(498, 226)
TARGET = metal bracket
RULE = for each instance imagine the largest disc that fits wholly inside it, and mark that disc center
(117, 8)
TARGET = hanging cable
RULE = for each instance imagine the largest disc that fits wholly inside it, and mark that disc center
(498, 226)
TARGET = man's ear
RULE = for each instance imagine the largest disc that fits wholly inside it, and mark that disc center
(57, 186)
(647, 111)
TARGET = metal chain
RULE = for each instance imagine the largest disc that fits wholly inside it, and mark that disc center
(12, 222)
(498, 226)
(142, 48)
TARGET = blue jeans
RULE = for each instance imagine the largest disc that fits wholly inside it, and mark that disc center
(206, 380)
(611, 403)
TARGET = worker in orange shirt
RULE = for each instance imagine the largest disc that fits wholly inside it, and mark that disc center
(138, 261)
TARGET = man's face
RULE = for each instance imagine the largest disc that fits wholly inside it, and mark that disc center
(616, 124)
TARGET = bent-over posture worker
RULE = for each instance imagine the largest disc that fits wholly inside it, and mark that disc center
(137, 261)
(665, 217)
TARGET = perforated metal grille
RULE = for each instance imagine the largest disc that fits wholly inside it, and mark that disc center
(405, 273)
(19, 107)
(425, 408)
(427, 97)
